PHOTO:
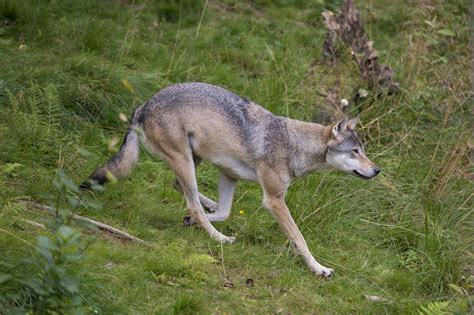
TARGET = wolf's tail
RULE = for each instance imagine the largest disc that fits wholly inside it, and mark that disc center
(123, 162)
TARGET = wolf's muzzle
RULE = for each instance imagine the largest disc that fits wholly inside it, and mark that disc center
(376, 172)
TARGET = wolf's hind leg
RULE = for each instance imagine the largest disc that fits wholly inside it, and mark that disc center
(185, 173)
(206, 202)
(226, 191)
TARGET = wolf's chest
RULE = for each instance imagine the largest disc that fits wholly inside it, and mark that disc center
(234, 168)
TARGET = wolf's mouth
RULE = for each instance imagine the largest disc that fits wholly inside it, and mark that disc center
(360, 175)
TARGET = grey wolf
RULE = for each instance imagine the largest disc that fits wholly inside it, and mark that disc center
(187, 123)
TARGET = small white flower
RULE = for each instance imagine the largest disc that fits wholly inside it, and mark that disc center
(363, 93)
(344, 102)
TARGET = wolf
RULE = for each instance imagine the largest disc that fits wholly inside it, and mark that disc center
(188, 123)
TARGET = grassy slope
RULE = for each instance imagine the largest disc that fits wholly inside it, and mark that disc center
(404, 236)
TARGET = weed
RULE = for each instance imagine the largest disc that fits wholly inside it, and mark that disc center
(44, 282)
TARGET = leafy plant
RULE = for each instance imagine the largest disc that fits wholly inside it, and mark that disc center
(47, 283)
(55, 288)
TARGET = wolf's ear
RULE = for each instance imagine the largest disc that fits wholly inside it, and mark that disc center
(351, 124)
(339, 126)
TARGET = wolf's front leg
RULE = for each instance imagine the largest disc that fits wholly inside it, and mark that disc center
(224, 205)
(274, 200)
(226, 191)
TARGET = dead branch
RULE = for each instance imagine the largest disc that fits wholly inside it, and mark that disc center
(346, 28)
(101, 226)
(348, 67)
(34, 223)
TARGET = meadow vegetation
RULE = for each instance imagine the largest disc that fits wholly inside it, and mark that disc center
(69, 68)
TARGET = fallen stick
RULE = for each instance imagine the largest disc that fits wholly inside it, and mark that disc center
(34, 223)
(102, 226)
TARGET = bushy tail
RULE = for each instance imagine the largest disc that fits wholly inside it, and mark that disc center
(121, 164)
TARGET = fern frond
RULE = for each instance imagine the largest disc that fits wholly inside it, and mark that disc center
(14, 206)
(53, 108)
(34, 99)
(200, 260)
(5, 170)
(435, 308)
(8, 168)
(14, 101)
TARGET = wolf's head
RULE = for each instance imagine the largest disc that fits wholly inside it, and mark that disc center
(345, 151)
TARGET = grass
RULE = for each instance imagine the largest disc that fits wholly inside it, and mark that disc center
(69, 68)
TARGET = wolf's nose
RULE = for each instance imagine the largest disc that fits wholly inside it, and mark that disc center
(376, 170)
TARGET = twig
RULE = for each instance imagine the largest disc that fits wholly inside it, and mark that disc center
(228, 282)
(34, 223)
(102, 226)
(222, 258)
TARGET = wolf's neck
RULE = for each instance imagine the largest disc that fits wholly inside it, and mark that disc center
(307, 147)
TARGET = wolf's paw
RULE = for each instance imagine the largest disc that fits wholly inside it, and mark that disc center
(210, 207)
(324, 272)
(188, 221)
(226, 239)
(213, 208)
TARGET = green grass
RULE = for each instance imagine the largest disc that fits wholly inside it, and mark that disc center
(70, 67)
